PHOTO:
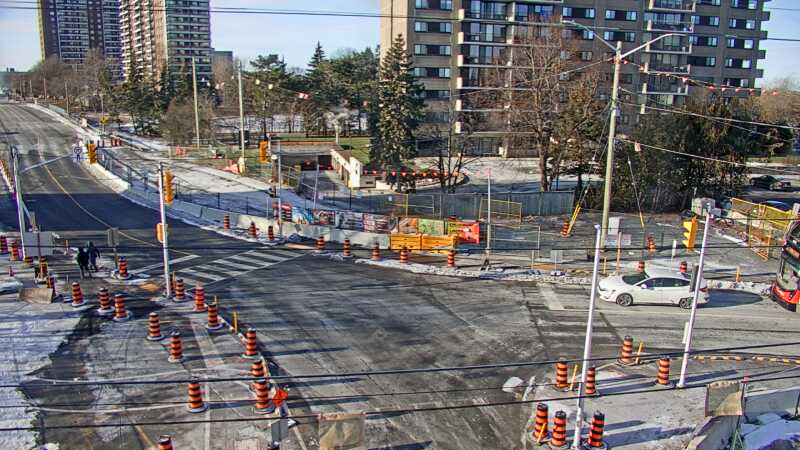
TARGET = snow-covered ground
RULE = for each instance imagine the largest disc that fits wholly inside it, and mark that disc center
(29, 333)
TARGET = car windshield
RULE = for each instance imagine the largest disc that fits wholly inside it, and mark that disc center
(633, 279)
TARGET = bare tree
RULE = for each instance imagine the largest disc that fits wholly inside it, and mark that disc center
(550, 99)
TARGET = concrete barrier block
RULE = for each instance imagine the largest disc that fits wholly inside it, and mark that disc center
(188, 208)
(779, 401)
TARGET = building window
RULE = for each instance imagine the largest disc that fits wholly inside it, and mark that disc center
(747, 24)
(744, 4)
(709, 21)
(703, 41)
(616, 14)
(736, 63)
(433, 27)
(578, 13)
(709, 2)
(626, 36)
(585, 56)
(704, 61)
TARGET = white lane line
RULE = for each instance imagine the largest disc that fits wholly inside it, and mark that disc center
(550, 299)
(161, 264)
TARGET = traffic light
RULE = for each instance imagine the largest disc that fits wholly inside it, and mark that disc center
(92, 149)
(262, 151)
(690, 233)
(169, 195)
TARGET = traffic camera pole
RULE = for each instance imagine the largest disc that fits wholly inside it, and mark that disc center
(587, 346)
(612, 136)
(698, 278)
(164, 227)
(196, 111)
(241, 116)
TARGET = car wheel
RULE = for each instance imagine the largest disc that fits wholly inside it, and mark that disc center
(685, 303)
(624, 300)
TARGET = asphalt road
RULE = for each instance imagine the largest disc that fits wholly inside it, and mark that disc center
(318, 315)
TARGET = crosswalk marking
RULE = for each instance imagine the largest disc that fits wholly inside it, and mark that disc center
(229, 263)
(197, 272)
(161, 264)
(249, 256)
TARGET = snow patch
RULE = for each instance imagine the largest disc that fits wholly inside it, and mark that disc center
(765, 436)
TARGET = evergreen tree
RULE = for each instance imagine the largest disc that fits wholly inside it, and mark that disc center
(399, 111)
(317, 83)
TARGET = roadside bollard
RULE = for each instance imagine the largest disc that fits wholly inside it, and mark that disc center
(154, 327)
(120, 313)
(263, 404)
(226, 222)
(376, 252)
(180, 290)
(540, 423)
(346, 251)
(320, 244)
(253, 232)
(558, 438)
(14, 250)
(640, 267)
(270, 233)
(199, 299)
(105, 308)
(595, 439)
(684, 267)
(196, 403)
(562, 375)
(213, 317)
(451, 259)
(626, 356)
(175, 347)
(123, 268)
(591, 376)
(662, 378)
(164, 442)
(3, 244)
(250, 345)
(77, 295)
(404, 255)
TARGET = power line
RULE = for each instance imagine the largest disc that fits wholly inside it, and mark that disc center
(425, 370)
(384, 412)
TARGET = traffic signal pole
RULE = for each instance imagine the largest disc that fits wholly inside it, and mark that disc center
(697, 283)
(18, 194)
(164, 229)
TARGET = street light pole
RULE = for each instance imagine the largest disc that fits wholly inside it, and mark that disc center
(164, 229)
(693, 314)
(196, 111)
(587, 346)
(18, 195)
(241, 114)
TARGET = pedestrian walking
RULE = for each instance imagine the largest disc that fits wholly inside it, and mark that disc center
(94, 253)
(83, 262)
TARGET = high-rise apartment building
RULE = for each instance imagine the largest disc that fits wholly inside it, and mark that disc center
(70, 28)
(455, 43)
(159, 35)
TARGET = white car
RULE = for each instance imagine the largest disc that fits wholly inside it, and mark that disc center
(653, 286)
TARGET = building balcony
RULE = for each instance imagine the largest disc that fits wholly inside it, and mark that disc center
(656, 67)
(665, 88)
(465, 14)
(477, 38)
(683, 6)
(652, 25)
(662, 47)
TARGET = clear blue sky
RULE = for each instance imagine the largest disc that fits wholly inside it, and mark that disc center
(294, 37)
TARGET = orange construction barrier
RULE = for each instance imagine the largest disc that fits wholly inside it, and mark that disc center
(558, 438)
(451, 259)
(540, 422)
(640, 267)
(226, 222)
(662, 378)
(320, 244)
(257, 370)
(376, 252)
(199, 299)
(175, 347)
(252, 231)
(196, 403)
(14, 250)
(684, 267)
(120, 313)
(626, 356)
(346, 252)
(105, 303)
(595, 439)
(562, 375)
(77, 295)
(261, 389)
(180, 290)
(164, 442)
(250, 344)
(154, 327)
(28, 260)
(213, 317)
(404, 255)
(123, 267)
(591, 384)
(3, 244)
(270, 233)
(565, 229)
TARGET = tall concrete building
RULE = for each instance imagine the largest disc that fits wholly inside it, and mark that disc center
(70, 28)
(159, 35)
(454, 43)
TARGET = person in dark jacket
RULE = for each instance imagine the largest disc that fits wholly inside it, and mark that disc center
(83, 262)
(93, 253)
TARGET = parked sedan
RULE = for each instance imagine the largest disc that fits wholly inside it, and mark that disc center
(771, 183)
(653, 286)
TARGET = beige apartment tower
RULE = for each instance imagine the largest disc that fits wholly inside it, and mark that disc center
(164, 35)
(453, 43)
